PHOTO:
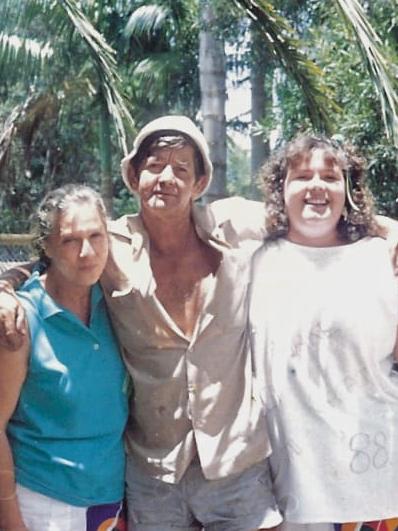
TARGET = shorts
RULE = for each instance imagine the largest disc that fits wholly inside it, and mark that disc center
(241, 502)
(41, 513)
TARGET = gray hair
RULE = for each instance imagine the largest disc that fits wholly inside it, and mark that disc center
(56, 202)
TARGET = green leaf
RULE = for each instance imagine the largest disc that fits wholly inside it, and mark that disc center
(280, 39)
(104, 59)
(377, 64)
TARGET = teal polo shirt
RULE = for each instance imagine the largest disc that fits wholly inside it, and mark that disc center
(66, 432)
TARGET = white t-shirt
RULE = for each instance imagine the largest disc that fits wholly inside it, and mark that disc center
(323, 323)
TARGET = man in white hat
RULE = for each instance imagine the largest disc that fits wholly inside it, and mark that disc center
(176, 286)
(176, 290)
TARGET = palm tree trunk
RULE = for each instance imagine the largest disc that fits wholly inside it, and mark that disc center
(105, 149)
(212, 70)
(259, 101)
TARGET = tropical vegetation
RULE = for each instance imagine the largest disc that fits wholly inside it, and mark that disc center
(78, 78)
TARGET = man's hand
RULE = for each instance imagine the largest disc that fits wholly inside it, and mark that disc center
(394, 257)
(388, 229)
(12, 315)
(12, 318)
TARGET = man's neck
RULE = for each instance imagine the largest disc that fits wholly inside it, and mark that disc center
(182, 265)
(170, 235)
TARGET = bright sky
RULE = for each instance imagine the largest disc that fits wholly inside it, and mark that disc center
(238, 105)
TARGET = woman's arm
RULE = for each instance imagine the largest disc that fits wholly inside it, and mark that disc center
(13, 369)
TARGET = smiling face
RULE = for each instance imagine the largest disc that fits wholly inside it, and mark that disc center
(78, 246)
(314, 194)
(166, 180)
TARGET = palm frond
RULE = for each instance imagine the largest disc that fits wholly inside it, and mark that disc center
(25, 16)
(10, 128)
(19, 50)
(157, 68)
(104, 60)
(371, 48)
(7, 134)
(146, 21)
(153, 74)
(13, 47)
(282, 43)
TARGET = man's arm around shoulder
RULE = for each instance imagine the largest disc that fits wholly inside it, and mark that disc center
(12, 315)
(246, 217)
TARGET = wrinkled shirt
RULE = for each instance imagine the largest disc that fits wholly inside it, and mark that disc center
(191, 395)
(324, 323)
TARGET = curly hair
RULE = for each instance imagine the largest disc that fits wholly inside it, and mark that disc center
(359, 216)
(53, 204)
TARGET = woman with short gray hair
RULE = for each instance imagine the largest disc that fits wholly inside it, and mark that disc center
(63, 403)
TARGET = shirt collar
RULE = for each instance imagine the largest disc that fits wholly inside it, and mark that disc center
(131, 228)
(46, 305)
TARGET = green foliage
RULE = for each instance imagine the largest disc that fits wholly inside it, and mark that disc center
(164, 59)
(125, 202)
(281, 40)
(238, 169)
(369, 45)
(57, 138)
(51, 66)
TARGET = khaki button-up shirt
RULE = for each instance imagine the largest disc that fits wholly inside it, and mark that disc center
(190, 395)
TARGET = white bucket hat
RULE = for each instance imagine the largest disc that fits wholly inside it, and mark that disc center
(169, 124)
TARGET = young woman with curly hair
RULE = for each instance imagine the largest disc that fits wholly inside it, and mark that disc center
(323, 315)
(357, 219)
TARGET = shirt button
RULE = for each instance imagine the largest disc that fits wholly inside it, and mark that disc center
(96, 346)
(191, 388)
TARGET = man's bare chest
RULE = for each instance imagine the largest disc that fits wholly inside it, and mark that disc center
(182, 289)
